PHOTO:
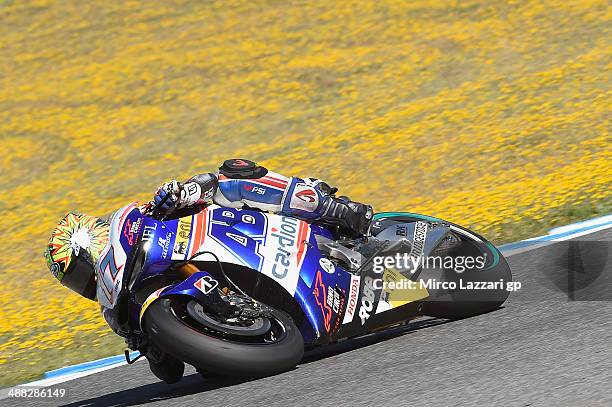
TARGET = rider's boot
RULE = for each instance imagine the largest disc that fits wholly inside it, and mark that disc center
(354, 216)
(164, 366)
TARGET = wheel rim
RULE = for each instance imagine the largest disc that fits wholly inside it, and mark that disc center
(262, 330)
(254, 327)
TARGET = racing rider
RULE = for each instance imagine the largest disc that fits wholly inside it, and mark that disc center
(241, 183)
(78, 240)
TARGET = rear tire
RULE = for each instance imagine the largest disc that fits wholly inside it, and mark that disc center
(222, 356)
(463, 303)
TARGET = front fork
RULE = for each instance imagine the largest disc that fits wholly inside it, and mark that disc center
(201, 286)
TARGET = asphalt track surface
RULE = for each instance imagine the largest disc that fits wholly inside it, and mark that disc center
(544, 348)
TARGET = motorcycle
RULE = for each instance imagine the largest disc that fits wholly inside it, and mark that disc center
(242, 293)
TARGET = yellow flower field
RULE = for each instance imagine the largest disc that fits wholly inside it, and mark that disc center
(492, 114)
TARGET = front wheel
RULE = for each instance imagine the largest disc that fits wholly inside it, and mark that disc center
(182, 328)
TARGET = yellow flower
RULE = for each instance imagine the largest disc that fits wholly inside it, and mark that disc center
(488, 115)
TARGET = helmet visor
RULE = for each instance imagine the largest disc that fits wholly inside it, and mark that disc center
(80, 276)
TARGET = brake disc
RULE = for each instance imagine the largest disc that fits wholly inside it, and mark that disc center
(254, 327)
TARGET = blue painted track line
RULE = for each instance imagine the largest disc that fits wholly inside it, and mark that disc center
(83, 367)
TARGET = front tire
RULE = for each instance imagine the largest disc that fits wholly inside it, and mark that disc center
(222, 355)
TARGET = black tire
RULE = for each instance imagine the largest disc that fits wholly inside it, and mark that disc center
(221, 356)
(458, 303)
(463, 303)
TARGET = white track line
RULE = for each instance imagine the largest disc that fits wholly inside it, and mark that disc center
(540, 241)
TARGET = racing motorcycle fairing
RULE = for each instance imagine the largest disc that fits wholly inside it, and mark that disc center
(201, 286)
(383, 220)
(125, 228)
(336, 299)
(282, 249)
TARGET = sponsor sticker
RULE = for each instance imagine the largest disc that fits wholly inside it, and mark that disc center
(191, 193)
(333, 299)
(130, 230)
(401, 230)
(418, 243)
(420, 233)
(367, 300)
(164, 244)
(206, 284)
(395, 291)
(284, 250)
(255, 189)
(351, 304)
(323, 300)
(286, 240)
(208, 194)
(340, 309)
(304, 198)
(181, 244)
(148, 231)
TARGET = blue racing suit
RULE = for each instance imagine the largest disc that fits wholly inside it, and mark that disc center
(241, 183)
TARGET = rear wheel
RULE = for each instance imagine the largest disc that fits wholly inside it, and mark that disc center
(460, 242)
(260, 347)
(488, 284)
(463, 302)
